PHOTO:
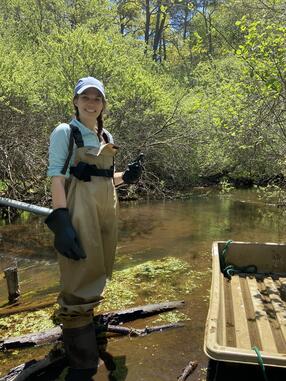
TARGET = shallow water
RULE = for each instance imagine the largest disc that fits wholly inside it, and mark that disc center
(148, 231)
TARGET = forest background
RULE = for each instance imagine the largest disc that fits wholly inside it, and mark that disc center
(198, 86)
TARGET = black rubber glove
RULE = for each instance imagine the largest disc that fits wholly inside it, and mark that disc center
(66, 241)
(134, 170)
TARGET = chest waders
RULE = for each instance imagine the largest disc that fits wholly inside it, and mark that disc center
(93, 207)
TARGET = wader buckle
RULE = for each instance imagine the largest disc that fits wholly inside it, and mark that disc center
(84, 171)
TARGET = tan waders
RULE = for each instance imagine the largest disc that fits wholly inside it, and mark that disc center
(93, 207)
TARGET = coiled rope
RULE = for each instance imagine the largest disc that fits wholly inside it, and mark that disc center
(228, 269)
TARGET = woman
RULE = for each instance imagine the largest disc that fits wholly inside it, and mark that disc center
(84, 219)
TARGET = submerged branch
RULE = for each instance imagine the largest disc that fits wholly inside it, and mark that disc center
(189, 369)
(56, 357)
(103, 323)
(24, 371)
(141, 332)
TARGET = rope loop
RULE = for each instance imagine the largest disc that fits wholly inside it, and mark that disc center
(223, 254)
(228, 269)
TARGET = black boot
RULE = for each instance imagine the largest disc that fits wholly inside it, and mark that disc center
(80, 374)
(81, 351)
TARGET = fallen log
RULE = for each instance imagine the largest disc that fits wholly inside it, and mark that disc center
(134, 313)
(33, 339)
(188, 370)
(56, 357)
(102, 322)
(24, 371)
(141, 332)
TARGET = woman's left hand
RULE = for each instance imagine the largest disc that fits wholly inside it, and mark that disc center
(133, 171)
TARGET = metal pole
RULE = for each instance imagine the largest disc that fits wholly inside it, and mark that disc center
(40, 210)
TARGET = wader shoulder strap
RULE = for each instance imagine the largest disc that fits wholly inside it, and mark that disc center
(105, 137)
(75, 137)
(75, 132)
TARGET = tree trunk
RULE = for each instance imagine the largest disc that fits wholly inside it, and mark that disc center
(185, 25)
(209, 36)
(164, 48)
(147, 22)
(157, 31)
(158, 35)
(122, 25)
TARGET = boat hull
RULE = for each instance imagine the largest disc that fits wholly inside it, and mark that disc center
(247, 313)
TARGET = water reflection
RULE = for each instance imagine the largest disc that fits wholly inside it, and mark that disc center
(115, 365)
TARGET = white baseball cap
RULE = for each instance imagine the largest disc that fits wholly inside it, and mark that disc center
(88, 82)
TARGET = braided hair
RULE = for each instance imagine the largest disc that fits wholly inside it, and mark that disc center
(99, 126)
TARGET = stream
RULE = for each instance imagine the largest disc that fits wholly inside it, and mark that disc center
(164, 253)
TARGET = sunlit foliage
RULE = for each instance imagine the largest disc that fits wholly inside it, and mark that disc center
(198, 86)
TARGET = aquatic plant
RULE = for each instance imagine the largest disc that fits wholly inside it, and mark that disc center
(149, 282)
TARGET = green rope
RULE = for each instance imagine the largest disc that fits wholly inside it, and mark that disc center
(260, 362)
(230, 270)
(223, 254)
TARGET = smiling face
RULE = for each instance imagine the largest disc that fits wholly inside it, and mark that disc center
(89, 105)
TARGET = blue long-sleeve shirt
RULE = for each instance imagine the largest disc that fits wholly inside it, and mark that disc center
(59, 143)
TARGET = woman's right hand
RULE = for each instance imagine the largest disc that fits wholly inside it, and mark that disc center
(66, 241)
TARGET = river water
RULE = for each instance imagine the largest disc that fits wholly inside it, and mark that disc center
(152, 234)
